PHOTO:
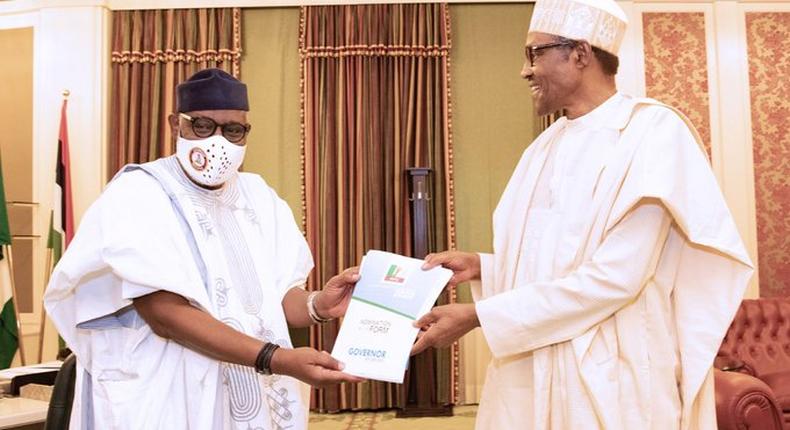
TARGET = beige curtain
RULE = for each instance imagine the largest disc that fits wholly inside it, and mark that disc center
(153, 51)
(375, 102)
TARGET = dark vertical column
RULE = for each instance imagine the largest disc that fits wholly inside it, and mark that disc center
(420, 387)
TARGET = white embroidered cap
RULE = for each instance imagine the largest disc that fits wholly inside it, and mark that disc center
(600, 22)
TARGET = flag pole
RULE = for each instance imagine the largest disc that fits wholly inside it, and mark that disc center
(15, 299)
(47, 273)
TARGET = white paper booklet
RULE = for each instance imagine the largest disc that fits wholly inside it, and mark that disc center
(376, 335)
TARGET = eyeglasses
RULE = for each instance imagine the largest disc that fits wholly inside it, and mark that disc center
(206, 127)
(533, 52)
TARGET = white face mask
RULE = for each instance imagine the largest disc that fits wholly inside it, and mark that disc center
(210, 161)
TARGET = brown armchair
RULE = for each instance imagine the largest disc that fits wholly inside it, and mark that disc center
(752, 374)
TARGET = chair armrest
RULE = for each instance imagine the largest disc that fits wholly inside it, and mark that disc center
(745, 402)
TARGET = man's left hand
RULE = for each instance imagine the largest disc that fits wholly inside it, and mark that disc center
(336, 295)
(443, 325)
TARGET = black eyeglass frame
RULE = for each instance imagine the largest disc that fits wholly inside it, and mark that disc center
(532, 51)
(214, 125)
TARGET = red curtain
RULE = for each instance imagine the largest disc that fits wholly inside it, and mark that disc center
(375, 88)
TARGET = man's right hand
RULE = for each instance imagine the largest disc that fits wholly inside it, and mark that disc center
(465, 265)
(311, 366)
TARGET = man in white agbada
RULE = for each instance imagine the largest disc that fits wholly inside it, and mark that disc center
(617, 267)
(182, 281)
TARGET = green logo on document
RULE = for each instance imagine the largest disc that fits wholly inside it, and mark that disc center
(395, 274)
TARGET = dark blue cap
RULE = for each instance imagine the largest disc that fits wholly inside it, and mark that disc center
(211, 89)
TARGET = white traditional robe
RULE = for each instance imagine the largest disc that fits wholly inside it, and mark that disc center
(232, 252)
(616, 271)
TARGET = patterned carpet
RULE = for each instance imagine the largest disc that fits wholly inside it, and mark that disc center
(463, 419)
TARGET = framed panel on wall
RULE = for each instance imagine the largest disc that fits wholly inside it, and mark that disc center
(765, 31)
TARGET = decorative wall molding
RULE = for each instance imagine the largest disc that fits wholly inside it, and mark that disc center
(70, 52)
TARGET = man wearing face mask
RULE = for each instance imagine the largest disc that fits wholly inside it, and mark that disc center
(177, 292)
(616, 265)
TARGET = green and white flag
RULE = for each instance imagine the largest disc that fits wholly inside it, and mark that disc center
(9, 338)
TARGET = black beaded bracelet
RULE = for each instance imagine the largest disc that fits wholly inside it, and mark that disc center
(263, 361)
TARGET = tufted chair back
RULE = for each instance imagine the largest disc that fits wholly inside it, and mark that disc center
(758, 340)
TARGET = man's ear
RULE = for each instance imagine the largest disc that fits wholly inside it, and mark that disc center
(584, 54)
(172, 119)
